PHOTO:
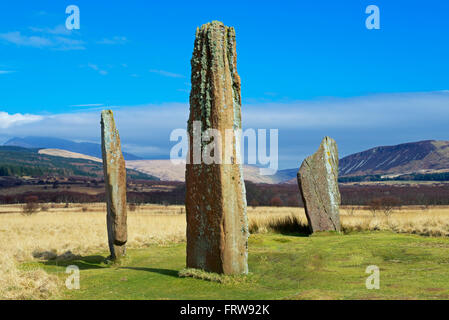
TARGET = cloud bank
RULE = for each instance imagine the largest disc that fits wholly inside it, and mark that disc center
(356, 123)
(16, 120)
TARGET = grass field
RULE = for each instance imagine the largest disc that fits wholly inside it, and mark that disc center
(283, 265)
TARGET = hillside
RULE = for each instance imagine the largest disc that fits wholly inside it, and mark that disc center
(422, 161)
(416, 157)
(86, 148)
(164, 170)
(167, 171)
(17, 161)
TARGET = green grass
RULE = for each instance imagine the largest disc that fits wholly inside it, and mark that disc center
(325, 266)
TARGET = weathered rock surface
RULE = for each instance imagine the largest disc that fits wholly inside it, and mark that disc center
(217, 226)
(318, 184)
(115, 182)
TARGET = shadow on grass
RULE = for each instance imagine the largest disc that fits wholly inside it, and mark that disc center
(83, 263)
(99, 262)
(165, 272)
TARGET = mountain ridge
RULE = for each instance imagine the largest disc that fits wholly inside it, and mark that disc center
(86, 148)
(19, 161)
(411, 157)
(378, 163)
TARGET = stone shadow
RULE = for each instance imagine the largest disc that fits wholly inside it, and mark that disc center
(64, 260)
(165, 272)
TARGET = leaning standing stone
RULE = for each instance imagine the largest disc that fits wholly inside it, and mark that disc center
(318, 184)
(115, 182)
(217, 226)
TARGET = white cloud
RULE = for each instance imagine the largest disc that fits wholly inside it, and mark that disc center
(56, 38)
(97, 68)
(356, 123)
(21, 40)
(88, 105)
(6, 71)
(167, 74)
(382, 110)
(57, 30)
(114, 40)
(10, 120)
(68, 44)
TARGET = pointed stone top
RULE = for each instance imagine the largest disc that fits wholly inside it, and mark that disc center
(330, 146)
(328, 139)
(107, 113)
(214, 25)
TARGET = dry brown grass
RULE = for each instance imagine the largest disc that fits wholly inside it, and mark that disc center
(64, 232)
(432, 221)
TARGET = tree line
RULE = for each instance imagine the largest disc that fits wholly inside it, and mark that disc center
(258, 195)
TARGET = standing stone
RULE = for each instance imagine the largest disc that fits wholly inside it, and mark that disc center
(115, 182)
(217, 225)
(318, 184)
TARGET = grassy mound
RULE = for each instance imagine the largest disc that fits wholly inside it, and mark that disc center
(325, 266)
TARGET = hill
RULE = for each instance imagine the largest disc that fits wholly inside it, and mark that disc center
(18, 161)
(421, 157)
(422, 161)
(165, 170)
(87, 148)
(418, 161)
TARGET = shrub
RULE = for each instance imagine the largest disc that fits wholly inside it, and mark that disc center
(389, 204)
(375, 205)
(276, 202)
(293, 201)
(384, 204)
(132, 207)
(254, 204)
(31, 205)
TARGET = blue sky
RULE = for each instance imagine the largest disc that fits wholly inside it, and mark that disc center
(295, 57)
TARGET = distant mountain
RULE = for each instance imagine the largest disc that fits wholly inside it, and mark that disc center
(424, 160)
(415, 157)
(86, 148)
(165, 170)
(420, 161)
(18, 161)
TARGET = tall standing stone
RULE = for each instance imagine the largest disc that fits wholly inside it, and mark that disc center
(318, 184)
(217, 226)
(115, 183)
